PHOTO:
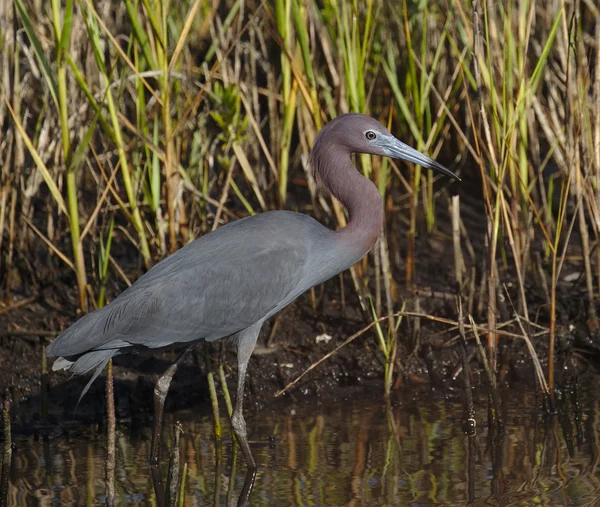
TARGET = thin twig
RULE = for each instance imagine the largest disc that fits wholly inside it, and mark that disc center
(369, 326)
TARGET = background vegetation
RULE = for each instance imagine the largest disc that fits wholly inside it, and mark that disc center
(130, 128)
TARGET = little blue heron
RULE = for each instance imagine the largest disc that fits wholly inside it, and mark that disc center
(228, 282)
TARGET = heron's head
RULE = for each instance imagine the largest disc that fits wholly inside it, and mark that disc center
(359, 133)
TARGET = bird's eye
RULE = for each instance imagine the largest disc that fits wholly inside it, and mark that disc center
(370, 135)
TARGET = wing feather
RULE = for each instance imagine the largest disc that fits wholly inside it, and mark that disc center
(212, 288)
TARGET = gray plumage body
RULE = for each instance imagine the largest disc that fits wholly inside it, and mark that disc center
(216, 286)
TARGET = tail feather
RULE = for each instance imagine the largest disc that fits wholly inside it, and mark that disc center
(90, 360)
(86, 362)
(62, 363)
(107, 355)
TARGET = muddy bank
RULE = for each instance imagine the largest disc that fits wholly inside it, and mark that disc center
(288, 345)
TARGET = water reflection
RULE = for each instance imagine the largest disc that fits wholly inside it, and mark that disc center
(354, 451)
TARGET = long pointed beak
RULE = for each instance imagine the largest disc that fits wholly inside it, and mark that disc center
(397, 149)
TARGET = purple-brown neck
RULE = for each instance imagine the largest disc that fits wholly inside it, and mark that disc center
(331, 162)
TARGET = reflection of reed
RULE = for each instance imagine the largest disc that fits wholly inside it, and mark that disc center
(292, 460)
(89, 483)
(172, 488)
(110, 437)
(6, 453)
(497, 439)
(592, 428)
(360, 460)
(471, 469)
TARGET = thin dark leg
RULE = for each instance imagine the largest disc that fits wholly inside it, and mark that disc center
(246, 342)
(160, 395)
(244, 499)
(157, 484)
(237, 417)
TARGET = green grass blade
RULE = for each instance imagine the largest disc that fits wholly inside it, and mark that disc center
(140, 33)
(39, 53)
(81, 150)
(391, 75)
(539, 67)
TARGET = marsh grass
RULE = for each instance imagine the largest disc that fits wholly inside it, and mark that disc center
(138, 126)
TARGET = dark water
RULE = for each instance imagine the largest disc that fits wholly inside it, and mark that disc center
(352, 451)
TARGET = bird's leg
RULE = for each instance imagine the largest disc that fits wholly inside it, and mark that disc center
(246, 342)
(160, 395)
(238, 423)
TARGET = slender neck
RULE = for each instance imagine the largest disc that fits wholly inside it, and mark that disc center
(360, 197)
